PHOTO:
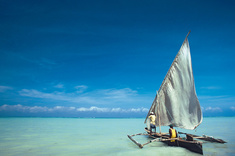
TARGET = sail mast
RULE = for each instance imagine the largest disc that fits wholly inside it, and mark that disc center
(159, 117)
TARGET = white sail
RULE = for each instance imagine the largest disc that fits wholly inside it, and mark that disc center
(176, 102)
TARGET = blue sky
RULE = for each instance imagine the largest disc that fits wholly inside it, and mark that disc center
(108, 58)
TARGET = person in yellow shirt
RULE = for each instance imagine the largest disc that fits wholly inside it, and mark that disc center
(173, 134)
(152, 118)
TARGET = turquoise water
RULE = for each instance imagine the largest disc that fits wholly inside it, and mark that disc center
(93, 137)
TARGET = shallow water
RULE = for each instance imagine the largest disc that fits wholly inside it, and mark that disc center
(93, 137)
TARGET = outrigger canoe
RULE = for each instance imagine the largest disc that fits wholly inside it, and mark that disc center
(176, 103)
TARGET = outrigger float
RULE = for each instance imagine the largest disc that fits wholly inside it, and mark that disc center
(176, 103)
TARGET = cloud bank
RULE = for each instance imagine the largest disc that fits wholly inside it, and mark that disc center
(67, 111)
(80, 101)
(93, 111)
(80, 96)
(35, 109)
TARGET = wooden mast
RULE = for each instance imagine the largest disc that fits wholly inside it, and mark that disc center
(159, 118)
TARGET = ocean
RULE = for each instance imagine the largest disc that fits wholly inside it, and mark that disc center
(101, 137)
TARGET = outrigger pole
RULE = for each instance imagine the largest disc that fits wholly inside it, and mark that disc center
(153, 140)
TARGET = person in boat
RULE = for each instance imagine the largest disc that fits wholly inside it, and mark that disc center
(173, 134)
(152, 118)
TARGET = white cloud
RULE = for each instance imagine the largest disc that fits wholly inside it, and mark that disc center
(116, 110)
(213, 98)
(39, 109)
(120, 93)
(5, 88)
(59, 85)
(93, 109)
(212, 109)
(35, 109)
(38, 94)
(211, 87)
(81, 88)
(232, 108)
(21, 108)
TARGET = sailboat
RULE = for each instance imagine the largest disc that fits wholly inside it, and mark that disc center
(176, 103)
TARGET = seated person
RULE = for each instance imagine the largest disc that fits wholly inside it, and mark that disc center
(173, 134)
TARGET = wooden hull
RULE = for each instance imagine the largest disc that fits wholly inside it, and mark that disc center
(194, 146)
